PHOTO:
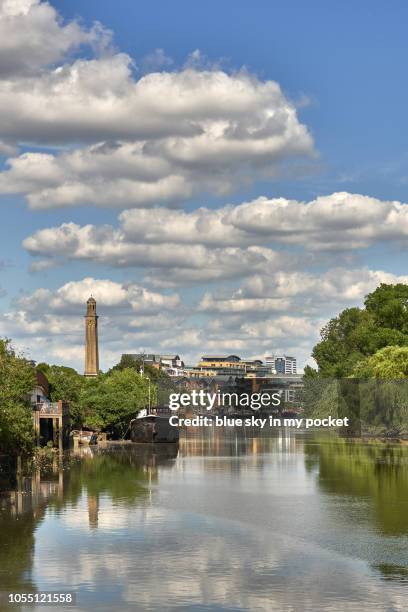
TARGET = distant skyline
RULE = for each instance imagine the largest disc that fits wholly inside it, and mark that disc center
(222, 178)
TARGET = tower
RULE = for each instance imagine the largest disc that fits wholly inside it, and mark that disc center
(91, 339)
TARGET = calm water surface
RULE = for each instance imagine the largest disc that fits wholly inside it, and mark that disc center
(265, 521)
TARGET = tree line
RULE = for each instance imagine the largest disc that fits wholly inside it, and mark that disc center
(106, 402)
(362, 364)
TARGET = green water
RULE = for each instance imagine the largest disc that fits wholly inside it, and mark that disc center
(229, 520)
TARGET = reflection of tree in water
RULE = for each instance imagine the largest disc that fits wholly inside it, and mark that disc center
(22, 508)
(393, 572)
(16, 550)
(377, 471)
(121, 474)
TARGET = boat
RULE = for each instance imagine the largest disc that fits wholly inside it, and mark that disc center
(153, 428)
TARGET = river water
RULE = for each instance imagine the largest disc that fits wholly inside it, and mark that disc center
(230, 520)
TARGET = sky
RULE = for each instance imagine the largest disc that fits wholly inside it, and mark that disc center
(222, 177)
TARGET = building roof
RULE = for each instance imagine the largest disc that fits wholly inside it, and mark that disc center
(145, 356)
(252, 361)
(150, 356)
(42, 381)
(220, 358)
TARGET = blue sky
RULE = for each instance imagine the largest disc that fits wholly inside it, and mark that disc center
(347, 58)
(340, 68)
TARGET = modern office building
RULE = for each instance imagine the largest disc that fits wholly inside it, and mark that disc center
(282, 364)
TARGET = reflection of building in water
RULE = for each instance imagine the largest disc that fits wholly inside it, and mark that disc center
(93, 509)
(229, 441)
(32, 493)
(221, 449)
(22, 509)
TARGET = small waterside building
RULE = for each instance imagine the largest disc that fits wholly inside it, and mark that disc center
(51, 419)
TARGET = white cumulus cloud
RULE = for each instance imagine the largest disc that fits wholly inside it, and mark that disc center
(33, 35)
(253, 239)
(125, 139)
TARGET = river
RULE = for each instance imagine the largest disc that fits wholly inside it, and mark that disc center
(231, 520)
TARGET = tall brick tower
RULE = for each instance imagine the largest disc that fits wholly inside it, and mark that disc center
(91, 339)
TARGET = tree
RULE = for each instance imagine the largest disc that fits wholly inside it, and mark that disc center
(17, 379)
(389, 306)
(309, 372)
(389, 362)
(65, 384)
(163, 383)
(110, 401)
(370, 344)
(127, 362)
(357, 333)
(384, 390)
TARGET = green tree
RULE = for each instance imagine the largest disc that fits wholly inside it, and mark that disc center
(371, 344)
(65, 384)
(389, 362)
(320, 397)
(17, 379)
(357, 333)
(389, 306)
(163, 383)
(109, 401)
(310, 372)
(129, 363)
